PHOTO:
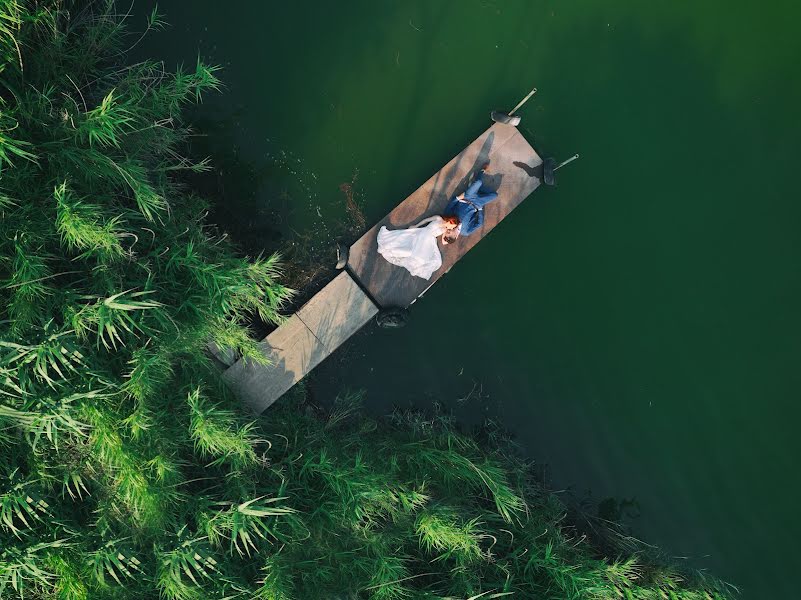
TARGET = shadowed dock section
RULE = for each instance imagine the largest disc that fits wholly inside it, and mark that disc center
(334, 314)
(370, 283)
(513, 172)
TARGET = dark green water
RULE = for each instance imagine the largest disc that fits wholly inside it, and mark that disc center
(638, 327)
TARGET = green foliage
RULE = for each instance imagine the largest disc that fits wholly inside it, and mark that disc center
(20, 505)
(112, 560)
(78, 225)
(128, 471)
(440, 531)
(111, 285)
(217, 433)
(409, 508)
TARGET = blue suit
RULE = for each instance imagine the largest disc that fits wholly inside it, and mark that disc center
(470, 211)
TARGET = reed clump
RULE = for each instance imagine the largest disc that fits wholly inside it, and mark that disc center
(126, 469)
(111, 285)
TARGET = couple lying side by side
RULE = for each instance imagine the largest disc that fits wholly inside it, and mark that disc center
(416, 249)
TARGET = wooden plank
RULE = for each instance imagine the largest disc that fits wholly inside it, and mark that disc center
(301, 343)
(514, 171)
(338, 311)
(225, 356)
(293, 351)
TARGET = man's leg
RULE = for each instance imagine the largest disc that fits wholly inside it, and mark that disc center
(472, 190)
(475, 194)
(483, 198)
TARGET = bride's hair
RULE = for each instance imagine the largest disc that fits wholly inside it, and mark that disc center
(452, 219)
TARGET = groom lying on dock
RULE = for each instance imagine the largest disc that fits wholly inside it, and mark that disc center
(468, 207)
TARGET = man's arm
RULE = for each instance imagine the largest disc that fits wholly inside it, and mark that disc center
(425, 221)
(452, 207)
(472, 190)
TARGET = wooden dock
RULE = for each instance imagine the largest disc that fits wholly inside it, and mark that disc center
(513, 172)
(334, 314)
(369, 283)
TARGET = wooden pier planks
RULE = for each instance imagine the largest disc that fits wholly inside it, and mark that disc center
(334, 314)
(514, 171)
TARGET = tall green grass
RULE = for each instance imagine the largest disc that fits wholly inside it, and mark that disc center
(126, 469)
(113, 423)
(407, 507)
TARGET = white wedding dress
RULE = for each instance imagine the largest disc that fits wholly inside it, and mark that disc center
(414, 249)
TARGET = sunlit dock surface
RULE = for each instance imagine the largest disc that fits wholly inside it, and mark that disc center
(369, 283)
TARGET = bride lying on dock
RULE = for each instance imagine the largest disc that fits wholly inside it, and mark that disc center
(415, 248)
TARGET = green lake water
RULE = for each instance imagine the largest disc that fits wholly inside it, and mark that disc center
(637, 327)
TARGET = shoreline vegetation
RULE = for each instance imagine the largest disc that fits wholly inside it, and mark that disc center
(128, 470)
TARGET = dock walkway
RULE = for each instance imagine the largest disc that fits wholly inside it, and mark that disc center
(369, 283)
